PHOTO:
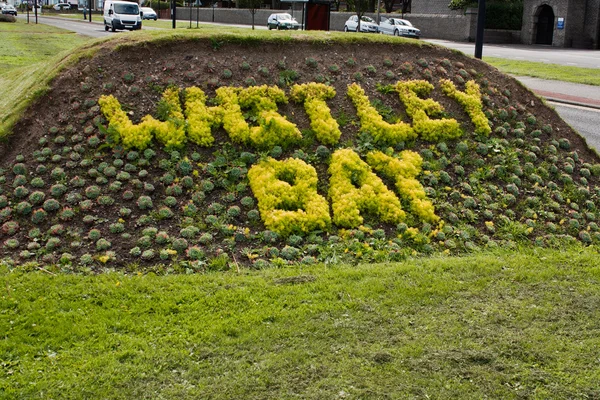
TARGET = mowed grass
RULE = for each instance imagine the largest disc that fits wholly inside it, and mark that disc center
(30, 55)
(565, 73)
(24, 44)
(494, 325)
(521, 324)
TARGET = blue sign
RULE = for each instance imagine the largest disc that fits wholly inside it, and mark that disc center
(560, 23)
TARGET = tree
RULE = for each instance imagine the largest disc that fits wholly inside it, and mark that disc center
(389, 5)
(359, 7)
(252, 6)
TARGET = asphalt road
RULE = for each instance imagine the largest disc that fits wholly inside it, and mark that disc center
(537, 53)
(584, 120)
(93, 29)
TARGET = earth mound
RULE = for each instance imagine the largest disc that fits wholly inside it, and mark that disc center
(218, 152)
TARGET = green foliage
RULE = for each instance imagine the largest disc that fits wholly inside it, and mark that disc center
(313, 96)
(353, 188)
(287, 196)
(373, 123)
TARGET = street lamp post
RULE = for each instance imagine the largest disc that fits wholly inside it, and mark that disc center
(480, 29)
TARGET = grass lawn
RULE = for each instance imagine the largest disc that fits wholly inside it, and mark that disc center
(587, 76)
(520, 324)
(502, 325)
(29, 54)
(24, 44)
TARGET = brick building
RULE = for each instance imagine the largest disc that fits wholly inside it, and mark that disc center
(562, 23)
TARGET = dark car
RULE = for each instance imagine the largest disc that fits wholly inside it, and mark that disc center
(8, 9)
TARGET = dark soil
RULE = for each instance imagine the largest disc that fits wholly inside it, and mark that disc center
(137, 78)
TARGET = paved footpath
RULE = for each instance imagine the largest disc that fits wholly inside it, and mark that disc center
(564, 92)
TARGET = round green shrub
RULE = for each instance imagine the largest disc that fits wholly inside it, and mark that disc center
(23, 208)
(51, 205)
(144, 202)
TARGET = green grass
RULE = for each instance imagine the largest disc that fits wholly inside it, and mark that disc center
(587, 76)
(30, 56)
(502, 325)
(24, 44)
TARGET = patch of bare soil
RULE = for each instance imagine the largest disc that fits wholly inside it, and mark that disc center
(532, 179)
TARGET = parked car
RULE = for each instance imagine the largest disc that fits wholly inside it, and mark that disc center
(282, 21)
(367, 24)
(62, 6)
(398, 27)
(8, 9)
(148, 13)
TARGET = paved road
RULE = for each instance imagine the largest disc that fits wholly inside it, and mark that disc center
(545, 54)
(584, 120)
(94, 29)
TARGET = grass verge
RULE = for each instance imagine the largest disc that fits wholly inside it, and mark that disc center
(565, 73)
(501, 325)
(24, 44)
(30, 56)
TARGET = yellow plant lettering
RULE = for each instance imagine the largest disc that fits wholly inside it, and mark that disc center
(420, 110)
(287, 196)
(353, 188)
(470, 100)
(404, 171)
(313, 95)
(373, 123)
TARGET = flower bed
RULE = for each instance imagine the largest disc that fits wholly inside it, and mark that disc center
(334, 160)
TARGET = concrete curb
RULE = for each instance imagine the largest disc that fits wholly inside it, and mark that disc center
(572, 103)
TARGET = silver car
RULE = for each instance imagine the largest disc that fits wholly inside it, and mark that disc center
(398, 27)
(282, 21)
(148, 13)
(367, 24)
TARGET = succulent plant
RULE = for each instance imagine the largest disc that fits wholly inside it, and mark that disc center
(23, 208)
(144, 202)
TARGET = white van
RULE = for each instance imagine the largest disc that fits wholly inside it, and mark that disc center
(122, 15)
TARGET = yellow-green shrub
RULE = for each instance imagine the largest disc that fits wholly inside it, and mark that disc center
(200, 119)
(373, 123)
(470, 99)
(404, 171)
(171, 133)
(419, 110)
(122, 129)
(313, 95)
(273, 128)
(232, 118)
(287, 207)
(353, 188)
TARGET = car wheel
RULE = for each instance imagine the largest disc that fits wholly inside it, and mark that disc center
(345, 28)
(112, 28)
(278, 27)
(105, 27)
(155, 18)
(396, 33)
(269, 27)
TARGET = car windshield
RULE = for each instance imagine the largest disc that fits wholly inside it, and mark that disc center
(285, 17)
(147, 10)
(131, 9)
(406, 23)
(367, 19)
